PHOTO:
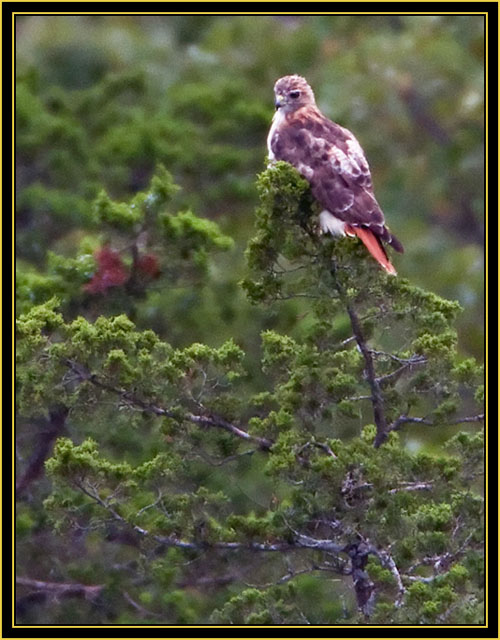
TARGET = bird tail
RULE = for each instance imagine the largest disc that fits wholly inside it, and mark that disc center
(394, 242)
(374, 246)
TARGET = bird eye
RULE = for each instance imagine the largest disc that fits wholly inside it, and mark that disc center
(294, 94)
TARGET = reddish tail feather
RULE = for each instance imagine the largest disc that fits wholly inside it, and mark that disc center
(374, 246)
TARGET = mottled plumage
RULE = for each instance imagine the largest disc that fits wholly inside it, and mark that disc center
(331, 159)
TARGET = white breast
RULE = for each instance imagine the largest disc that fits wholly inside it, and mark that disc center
(278, 120)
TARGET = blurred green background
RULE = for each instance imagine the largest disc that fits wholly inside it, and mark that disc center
(102, 99)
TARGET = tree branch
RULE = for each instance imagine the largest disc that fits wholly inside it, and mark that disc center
(56, 424)
(404, 419)
(395, 375)
(358, 553)
(319, 445)
(220, 463)
(208, 420)
(140, 609)
(62, 589)
(293, 574)
(376, 392)
(364, 587)
(301, 541)
(387, 561)
(413, 486)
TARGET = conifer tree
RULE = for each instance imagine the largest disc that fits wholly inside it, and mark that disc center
(195, 497)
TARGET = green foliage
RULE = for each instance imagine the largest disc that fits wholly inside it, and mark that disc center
(128, 260)
(194, 404)
(320, 378)
(257, 607)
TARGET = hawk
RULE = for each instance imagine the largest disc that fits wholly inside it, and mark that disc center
(332, 161)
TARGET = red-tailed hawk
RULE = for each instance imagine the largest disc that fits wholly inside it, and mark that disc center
(334, 164)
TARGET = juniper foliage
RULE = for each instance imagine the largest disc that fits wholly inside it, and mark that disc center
(195, 498)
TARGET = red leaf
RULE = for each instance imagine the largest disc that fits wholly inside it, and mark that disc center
(148, 264)
(111, 272)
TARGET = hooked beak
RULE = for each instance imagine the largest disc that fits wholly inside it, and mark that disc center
(278, 101)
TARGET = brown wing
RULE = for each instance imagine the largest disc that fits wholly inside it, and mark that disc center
(331, 159)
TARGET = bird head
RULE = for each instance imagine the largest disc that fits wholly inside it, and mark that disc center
(292, 93)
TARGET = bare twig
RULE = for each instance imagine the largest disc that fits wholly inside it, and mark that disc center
(62, 589)
(415, 359)
(220, 463)
(294, 573)
(319, 445)
(387, 561)
(306, 542)
(424, 579)
(300, 542)
(395, 375)
(478, 418)
(139, 608)
(404, 419)
(207, 420)
(285, 578)
(461, 604)
(413, 486)
(207, 581)
(171, 541)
